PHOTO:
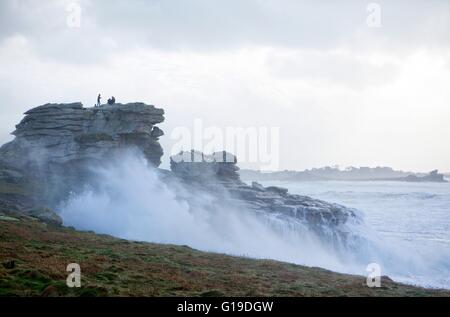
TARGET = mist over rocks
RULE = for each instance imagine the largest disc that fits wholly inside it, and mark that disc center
(348, 174)
(217, 173)
(65, 133)
(198, 167)
(57, 147)
(21, 195)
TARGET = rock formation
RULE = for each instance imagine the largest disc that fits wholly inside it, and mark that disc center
(433, 177)
(349, 174)
(198, 167)
(55, 144)
(218, 174)
(67, 133)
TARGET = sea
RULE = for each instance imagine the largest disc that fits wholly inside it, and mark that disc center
(415, 216)
(402, 227)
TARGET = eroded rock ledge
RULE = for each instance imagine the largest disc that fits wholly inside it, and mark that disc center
(64, 133)
(218, 174)
(55, 144)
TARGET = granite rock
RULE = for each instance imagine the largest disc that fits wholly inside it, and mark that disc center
(65, 133)
(205, 173)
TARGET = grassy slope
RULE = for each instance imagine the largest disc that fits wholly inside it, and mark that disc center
(114, 267)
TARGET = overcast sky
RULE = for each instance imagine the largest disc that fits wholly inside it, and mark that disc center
(340, 91)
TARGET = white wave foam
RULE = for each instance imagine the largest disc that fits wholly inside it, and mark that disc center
(129, 201)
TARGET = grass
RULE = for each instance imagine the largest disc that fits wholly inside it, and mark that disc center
(115, 267)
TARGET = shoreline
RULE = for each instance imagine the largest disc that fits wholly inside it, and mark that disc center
(117, 267)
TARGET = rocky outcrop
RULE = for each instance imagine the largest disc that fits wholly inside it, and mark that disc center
(14, 195)
(214, 174)
(198, 167)
(433, 177)
(56, 144)
(19, 196)
(66, 133)
(322, 217)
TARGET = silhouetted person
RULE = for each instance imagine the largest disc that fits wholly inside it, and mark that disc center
(111, 101)
(99, 99)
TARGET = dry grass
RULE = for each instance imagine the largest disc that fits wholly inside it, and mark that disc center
(114, 267)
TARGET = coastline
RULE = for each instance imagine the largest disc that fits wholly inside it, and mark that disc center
(116, 267)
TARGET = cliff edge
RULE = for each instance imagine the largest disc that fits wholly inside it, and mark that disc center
(67, 133)
(55, 146)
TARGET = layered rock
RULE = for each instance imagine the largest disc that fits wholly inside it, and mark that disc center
(20, 196)
(56, 144)
(213, 174)
(198, 167)
(433, 176)
(65, 133)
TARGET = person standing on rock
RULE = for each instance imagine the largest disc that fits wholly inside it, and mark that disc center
(99, 99)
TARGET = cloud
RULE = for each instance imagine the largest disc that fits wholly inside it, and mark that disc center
(332, 67)
(109, 26)
(340, 92)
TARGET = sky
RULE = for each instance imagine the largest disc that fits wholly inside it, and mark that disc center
(348, 83)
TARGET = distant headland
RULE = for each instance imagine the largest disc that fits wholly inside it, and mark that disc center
(349, 174)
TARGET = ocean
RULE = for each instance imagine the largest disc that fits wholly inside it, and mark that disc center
(415, 216)
(405, 227)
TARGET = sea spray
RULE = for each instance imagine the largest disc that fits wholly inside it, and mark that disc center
(128, 199)
(406, 228)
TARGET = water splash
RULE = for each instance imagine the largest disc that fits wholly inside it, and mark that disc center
(126, 198)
